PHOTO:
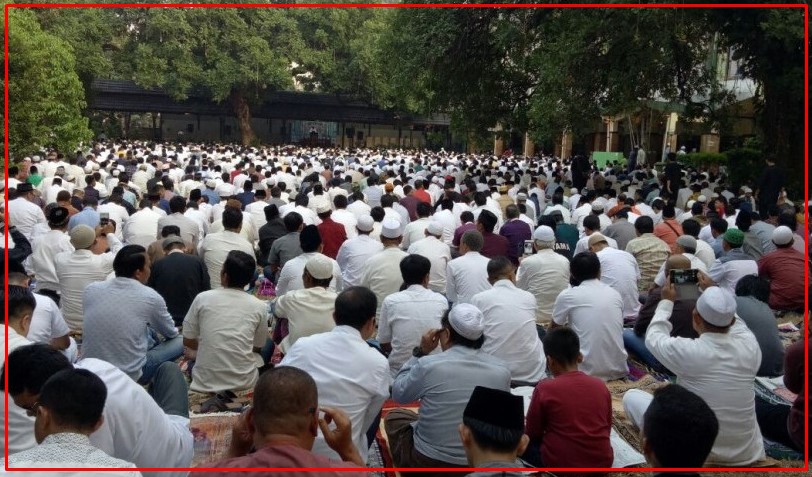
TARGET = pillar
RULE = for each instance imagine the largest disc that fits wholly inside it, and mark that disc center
(498, 142)
(566, 144)
(529, 146)
(612, 136)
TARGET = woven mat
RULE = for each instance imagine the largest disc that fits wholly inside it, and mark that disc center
(212, 434)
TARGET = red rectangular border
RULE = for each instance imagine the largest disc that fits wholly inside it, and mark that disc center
(803, 6)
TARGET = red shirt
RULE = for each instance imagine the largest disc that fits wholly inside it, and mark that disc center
(785, 269)
(422, 196)
(279, 456)
(333, 235)
(571, 415)
(495, 246)
(669, 231)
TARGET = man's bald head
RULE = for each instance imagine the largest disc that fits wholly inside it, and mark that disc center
(285, 401)
(677, 262)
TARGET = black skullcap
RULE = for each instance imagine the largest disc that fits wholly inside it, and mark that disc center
(495, 407)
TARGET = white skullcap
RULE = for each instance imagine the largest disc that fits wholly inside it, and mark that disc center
(435, 228)
(544, 233)
(747, 190)
(211, 183)
(319, 267)
(323, 207)
(574, 190)
(391, 228)
(115, 172)
(690, 204)
(466, 319)
(716, 306)
(782, 235)
(701, 198)
(365, 223)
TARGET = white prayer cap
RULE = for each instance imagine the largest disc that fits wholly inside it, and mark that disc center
(574, 190)
(211, 183)
(322, 207)
(716, 306)
(319, 267)
(365, 223)
(702, 199)
(466, 319)
(435, 228)
(782, 235)
(544, 233)
(391, 228)
(747, 190)
(521, 196)
(690, 204)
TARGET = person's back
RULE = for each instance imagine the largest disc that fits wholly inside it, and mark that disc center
(752, 295)
(178, 278)
(216, 246)
(467, 274)
(437, 252)
(382, 272)
(621, 230)
(544, 274)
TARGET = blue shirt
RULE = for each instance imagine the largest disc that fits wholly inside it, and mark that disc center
(214, 199)
(88, 216)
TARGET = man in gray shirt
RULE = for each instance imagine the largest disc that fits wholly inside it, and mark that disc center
(444, 383)
(122, 316)
(752, 296)
(621, 229)
(285, 247)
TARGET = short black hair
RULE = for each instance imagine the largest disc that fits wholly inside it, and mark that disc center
(680, 427)
(355, 306)
(387, 200)
(487, 219)
(377, 213)
(563, 345)
(465, 217)
(719, 225)
(340, 201)
(310, 239)
(293, 220)
(457, 338)
(744, 221)
(232, 218)
(498, 265)
(592, 222)
(491, 437)
(691, 227)
(20, 301)
(584, 266)
(755, 286)
(414, 268)
(240, 268)
(28, 367)
(170, 230)
(177, 204)
(644, 225)
(271, 212)
(424, 210)
(129, 260)
(75, 398)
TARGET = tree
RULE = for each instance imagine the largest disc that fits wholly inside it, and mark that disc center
(45, 94)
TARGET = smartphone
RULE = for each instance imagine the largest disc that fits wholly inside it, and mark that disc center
(686, 282)
(528, 247)
(104, 218)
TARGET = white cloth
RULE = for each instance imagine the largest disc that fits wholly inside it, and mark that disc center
(466, 276)
(726, 275)
(75, 271)
(350, 375)
(228, 324)
(510, 330)
(439, 254)
(20, 424)
(199, 218)
(140, 227)
(214, 250)
(405, 317)
(24, 215)
(705, 253)
(595, 312)
(47, 322)
(135, 429)
(583, 244)
(347, 219)
(382, 274)
(619, 270)
(118, 214)
(43, 258)
(719, 368)
(696, 264)
(256, 211)
(414, 232)
(449, 222)
(545, 275)
(69, 450)
(359, 208)
(353, 255)
(309, 311)
(290, 278)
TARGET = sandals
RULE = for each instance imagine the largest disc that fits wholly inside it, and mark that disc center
(221, 402)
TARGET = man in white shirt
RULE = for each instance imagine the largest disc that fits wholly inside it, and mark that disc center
(140, 227)
(350, 374)
(415, 231)
(115, 212)
(78, 269)
(408, 314)
(558, 205)
(544, 274)
(446, 217)
(227, 327)
(730, 267)
(189, 230)
(467, 274)
(382, 273)
(685, 246)
(438, 253)
(343, 216)
(595, 312)
(290, 278)
(509, 317)
(704, 251)
(46, 248)
(719, 366)
(353, 255)
(358, 207)
(216, 246)
(618, 270)
(256, 209)
(47, 324)
(23, 213)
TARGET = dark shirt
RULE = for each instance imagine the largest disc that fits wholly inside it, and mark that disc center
(761, 321)
(279, 456)
(673, 173)
(410, 203)
(333, 235)
(785, 269)
(681, 317)
(516, 232)
(495, 245)
(91, 192)
(567, 233)
(794, 361)
(268, 233)
(245, 198)
(461, 231)
(178, 278)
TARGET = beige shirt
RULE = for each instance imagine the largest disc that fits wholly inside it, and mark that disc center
(309, 311)
(214, 250)
(650, 253)
(382, 274)
(545, 275)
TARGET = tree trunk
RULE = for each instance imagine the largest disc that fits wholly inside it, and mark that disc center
(243, 113)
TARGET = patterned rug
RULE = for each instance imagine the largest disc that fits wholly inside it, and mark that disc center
(212, 433)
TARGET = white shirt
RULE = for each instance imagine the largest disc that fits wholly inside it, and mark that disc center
(228, 323)
(510, 330)
(135, 429)
(290, 278)
(415, 231)
(595, 312)
(545, 275)
(726, 275)
(619, 270)
(45, 250)
(466, 276)
(24, 215)
(564, 212)
(359, 208)
(719, 368)
(20, 425)
(382, 274)
(347, 219)
(439, 254)
(47, 321)
(118, 214)
(353, 255)
(75, 271)
(309, 311)
(214, 250)
(69, 450)
(696, 263)
(350, 375)
(583, 244)
(446, 218)
(405, 317)
(199, 218)
(256, 211)
(705, 253)
(140, 227)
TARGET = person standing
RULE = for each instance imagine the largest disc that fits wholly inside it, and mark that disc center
(769, 186)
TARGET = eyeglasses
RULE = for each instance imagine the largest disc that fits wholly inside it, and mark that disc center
(32, 409)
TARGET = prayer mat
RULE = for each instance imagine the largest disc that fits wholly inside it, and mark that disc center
(212, 436)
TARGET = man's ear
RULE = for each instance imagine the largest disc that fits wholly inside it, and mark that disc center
(579, 359)
(465, 435)
(98, 424)
(523, 442)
